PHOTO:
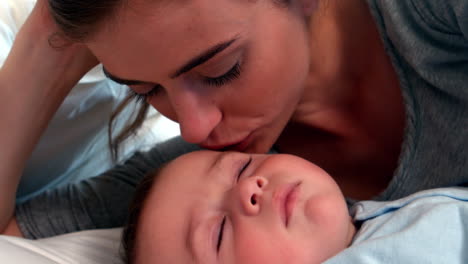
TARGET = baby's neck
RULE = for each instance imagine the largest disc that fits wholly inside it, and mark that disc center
(352, 232)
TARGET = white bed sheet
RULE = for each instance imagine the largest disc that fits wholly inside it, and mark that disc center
(90, 247)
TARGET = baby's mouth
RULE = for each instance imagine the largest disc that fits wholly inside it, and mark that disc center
(290, 202)
(285, 200)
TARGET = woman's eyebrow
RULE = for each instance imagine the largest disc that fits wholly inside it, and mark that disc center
(203, 57)
(198, 60)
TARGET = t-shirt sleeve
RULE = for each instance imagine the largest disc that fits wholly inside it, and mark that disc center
(98, 202)
(449, 16)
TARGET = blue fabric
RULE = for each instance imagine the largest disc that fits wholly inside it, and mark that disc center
(426, 227)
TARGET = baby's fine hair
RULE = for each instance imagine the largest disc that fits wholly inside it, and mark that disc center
(130, 230)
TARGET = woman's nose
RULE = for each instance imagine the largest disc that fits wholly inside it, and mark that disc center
(250, 191)
(197, 115)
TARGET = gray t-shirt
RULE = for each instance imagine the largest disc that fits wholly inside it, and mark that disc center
(98, 202)
(427, 43)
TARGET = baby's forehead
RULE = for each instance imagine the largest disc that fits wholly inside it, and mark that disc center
(164, 218)
(186, 176)
(200, 159)
(183, 171)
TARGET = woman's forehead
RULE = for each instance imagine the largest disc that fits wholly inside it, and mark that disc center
(167, 35)
(168, 20)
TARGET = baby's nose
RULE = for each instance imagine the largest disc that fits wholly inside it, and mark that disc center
(251, 192)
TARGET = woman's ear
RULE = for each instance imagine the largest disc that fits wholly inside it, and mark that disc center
(309, 6)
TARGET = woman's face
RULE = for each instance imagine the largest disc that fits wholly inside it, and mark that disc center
(230, 207)
(230, 72)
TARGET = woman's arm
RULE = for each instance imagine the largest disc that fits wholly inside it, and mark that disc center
(34, 80)
(99, 202)
(12, 229)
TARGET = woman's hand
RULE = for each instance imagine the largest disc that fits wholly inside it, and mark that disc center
(65, 61)
(13, 229)
(34, 81)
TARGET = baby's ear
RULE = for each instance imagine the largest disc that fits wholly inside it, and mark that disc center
(309, 6)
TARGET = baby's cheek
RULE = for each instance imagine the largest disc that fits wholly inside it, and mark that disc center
(255, 250)
(330, 222)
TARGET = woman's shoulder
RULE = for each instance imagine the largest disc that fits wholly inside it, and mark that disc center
(427, 41)
(424, 32)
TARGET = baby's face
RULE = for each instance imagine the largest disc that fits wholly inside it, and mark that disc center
(228, 207)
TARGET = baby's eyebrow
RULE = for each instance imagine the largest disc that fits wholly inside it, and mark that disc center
(219, 159)
(189, 238)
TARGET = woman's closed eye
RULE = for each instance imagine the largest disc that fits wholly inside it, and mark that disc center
(226, 78)
(140, 97)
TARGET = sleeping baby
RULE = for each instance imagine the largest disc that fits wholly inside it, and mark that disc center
(229, 207)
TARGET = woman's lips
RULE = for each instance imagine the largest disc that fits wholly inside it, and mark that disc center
(242, 145)
(285, 201)
(237, 146)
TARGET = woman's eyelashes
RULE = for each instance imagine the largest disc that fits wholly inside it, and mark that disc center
(143, 97)
(226, 78)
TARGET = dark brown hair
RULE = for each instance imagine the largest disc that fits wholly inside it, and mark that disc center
(131, 126)
(79, 19)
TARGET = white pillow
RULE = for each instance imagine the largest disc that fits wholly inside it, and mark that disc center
(90, 247)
